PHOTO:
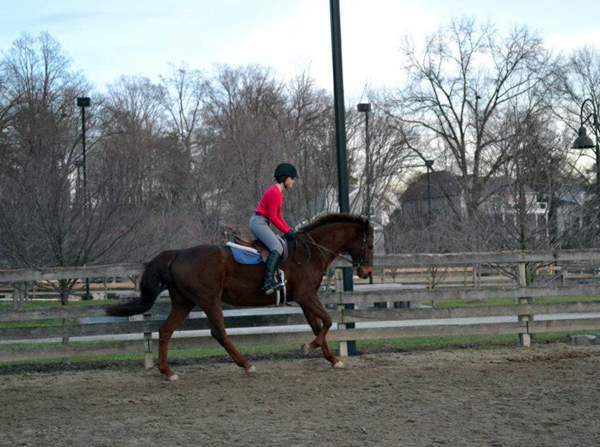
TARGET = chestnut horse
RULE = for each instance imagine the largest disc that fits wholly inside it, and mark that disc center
(207, 276)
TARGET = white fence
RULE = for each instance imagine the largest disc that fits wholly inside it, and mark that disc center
(565, 297)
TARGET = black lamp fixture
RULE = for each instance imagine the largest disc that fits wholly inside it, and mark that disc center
(585, 142)
(364, 107)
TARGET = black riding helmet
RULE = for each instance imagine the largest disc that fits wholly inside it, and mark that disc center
(285, 169)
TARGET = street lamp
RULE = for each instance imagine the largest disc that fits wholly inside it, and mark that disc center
(340, 140)
(366, 108)
(428, 165)
(585, 142)
(83, 103)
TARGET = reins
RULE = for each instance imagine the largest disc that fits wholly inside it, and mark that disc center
(321, 250)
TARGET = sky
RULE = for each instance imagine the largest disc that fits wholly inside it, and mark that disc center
(110, 38)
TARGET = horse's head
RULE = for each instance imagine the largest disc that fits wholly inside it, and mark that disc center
(361, 252)
(335, 233)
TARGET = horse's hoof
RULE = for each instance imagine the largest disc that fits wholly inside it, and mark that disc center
(338, 365)
(305, 349)
(252, 369)
(173, 378)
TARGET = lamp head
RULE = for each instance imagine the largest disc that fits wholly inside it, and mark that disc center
(363, 107)
(583, 141)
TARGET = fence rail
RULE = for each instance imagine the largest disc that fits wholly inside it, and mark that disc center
(531, 310)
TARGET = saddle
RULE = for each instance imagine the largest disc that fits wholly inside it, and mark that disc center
(259, 246)
(250, 251)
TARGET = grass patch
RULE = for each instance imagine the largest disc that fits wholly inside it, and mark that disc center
(462, 340)
(447, 304)
(52, 304)
(567, 299)
(42, 305)
(493, 302)
(31, 324)
(412, 343)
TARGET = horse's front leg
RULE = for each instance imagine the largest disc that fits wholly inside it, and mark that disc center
(180, 308)
(217, 330)
(320, 321)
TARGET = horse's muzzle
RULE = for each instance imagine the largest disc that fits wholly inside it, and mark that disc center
(363, 271)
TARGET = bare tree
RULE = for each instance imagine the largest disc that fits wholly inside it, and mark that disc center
(459, 85)
(242, 141)
(580, 80)
(140, 160)
(307, 128)
(580, 76)
(45, 219)
(389, 154)
(184, 92)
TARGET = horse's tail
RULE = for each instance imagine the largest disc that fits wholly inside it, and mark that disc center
(155, 279)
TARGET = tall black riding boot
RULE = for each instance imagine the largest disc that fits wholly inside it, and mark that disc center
(271, 285)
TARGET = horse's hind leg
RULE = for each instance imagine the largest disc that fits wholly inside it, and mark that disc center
(315, 313)
(180, 308)
(217, 330)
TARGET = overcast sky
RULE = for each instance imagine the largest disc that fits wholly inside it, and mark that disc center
(109, 38)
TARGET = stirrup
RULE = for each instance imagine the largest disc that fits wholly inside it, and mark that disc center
(273, 287)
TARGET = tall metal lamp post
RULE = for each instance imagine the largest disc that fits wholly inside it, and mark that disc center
(585, 142)
(428, 165)
(340, 142)
(83, 103)
(366, 108)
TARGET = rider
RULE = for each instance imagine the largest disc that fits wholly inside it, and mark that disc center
(269, 212)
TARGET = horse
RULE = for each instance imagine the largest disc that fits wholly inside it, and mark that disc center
(208, 276)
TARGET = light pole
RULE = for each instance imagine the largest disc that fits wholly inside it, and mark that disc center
(340, 141)
(428, 165)
(83, 103)
(585, 142)
(366, 108)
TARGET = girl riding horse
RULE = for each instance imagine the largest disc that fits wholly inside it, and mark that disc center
(208, 276)
(269, 212)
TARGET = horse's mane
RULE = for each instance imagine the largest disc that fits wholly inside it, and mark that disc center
(331, 219)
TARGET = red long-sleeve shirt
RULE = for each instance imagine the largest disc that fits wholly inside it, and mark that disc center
(270, 207)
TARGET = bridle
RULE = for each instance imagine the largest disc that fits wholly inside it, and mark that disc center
(355, 264)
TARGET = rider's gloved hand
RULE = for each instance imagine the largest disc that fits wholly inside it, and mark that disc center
(291, 234)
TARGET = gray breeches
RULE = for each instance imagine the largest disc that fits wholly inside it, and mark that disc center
(260, 227)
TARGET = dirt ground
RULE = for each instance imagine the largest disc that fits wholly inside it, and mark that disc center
(546, 396)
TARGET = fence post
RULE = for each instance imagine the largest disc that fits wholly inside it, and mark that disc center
(339, 287)
(19, 295)
(148, 359)
(524, 338)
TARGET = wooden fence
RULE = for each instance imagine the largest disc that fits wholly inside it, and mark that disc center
(424, 281)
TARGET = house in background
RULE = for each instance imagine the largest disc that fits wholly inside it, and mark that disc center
(444, 195)
(382, 208)
(574, 204)
(441, 196)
